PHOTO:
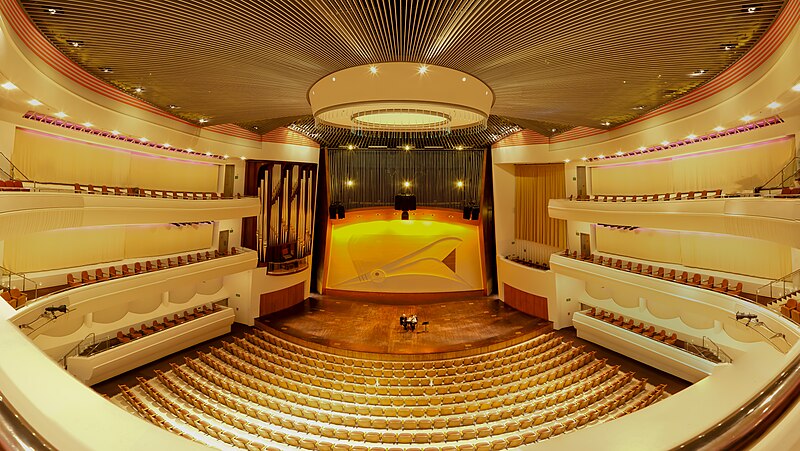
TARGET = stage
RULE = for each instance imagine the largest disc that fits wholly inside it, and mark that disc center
(456, 327)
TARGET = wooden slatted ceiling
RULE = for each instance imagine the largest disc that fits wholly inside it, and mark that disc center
(568, 62)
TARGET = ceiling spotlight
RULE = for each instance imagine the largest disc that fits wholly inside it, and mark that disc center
(115, 132)
(774, 105)
(460, 184)
(52, 11)
(459, 147)
(719, 128)
(727, 47)
(144, 140)
(202, 120)
(407, 147)
(665, 143)
(638, 107)
(463, 78)
(423, 69)
(106, 70)
(697, 73)
(552, 130)
(350, 147)
(333, 78)
(406, 184)
(88, 124)
(691, 136)
(8, 86)
(34, 102)
(75, 44)
(349, 183)
(225, 157)
(796, 88)
(373, 70)
(751, 8)
(243, 158)
(601, 156)
(642, 149)
(60, 115)
(584, 158)
(747, 118)
(566, 160)
(190, 150)
(138, 90)
(605, 123)
(619, 152)
(167, 145)
(173, 107)
(208, 154)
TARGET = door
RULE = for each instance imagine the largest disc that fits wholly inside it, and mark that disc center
(223, 242)
(581, 181)
(586, 245)
(230, 174)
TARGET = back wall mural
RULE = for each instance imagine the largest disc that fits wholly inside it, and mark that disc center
(415, 256)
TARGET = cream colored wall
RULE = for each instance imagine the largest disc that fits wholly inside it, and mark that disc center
(731, 169)
(49, 158)
(68, 248)
(725, 253)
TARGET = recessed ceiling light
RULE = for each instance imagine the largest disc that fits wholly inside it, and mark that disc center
(61, 114)
(719, 128)
(350, 147)
(8, 86)
(138, 90)
(52, 11)
(373, 70)
(208, 154)
(115, 132)
(106, 70)
(349, 183)
(460, 184)
(486, 93)
(605, 123)
(747, 118)
(88, 124)
(697, 73)
(552, 130)
(190, 150)
(333, 78)
(618, 153)
(173, 107)
(407, 147)
(584, 158)
(796, 88)
(34, 102)
(459, 147)
(423, 69)
(601, 156)
(75, 43)
(751, 8)
(691, 136)
(566, 160)
(202, 120)
(642, 149)
(727, 47)
(406, 184)
(463, 78)
(665, 143)
(638, 107)
(243, 158)
(144, 140)
(225, 157)
(167, 145)
(774, 105)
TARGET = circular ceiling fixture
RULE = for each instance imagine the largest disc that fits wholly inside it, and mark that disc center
(401, 98)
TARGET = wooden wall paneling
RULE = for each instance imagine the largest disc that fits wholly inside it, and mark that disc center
(281, 299)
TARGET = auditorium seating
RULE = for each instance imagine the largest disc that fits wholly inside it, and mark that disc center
(530, 263)
(642, 329)
(142, 192)
(262, 391)
(14, 297)
(696, 279)
(691, 195)
(788, 305)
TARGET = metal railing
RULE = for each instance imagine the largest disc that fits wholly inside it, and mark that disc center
(76, 350)
(708, 346)
(15, 168)
(784, 177)
(15, 433)
(781, 287)
(10, 279)
(287, 267)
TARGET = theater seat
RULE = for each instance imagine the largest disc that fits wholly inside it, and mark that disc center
(71, 282)
(134, 334)
(736, 291)
(122, 338)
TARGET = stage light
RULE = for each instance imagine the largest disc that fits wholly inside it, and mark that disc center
(460, 184)
(349, 183)
(406, 184)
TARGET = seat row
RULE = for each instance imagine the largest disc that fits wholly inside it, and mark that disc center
(641, 329)
(145, 330)
(691, 195)
(398, 377)
(530, 263)
(125, 270)
(790, 309)
(365, 364)
(14, 297)
(12, 185)
(696, 279)
(141, 192)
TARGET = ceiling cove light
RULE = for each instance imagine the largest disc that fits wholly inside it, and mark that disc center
(34, 102)
(393, 103)
(8, 86)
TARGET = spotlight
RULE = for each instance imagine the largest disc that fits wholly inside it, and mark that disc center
(349, 183)
(796, 88)
(373, 70)
(106, 70)
(8, 86)
(747, 118)
(406, 184)
(202, 120)
(605, 123)
(697, 73)
(774, 105)
(88, 124)
(719, 128)
(566, 160)
(423, 69)
(60, 115)
(34, 102)
(692, 136)
(350, 147)
(138, 90)
(460, 184)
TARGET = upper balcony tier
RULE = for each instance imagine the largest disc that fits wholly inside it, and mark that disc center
(771, 219)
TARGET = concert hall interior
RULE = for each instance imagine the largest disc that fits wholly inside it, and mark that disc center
(392, 225)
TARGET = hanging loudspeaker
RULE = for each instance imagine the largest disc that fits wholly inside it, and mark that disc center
(476, 211)
(332, 211)
(340, 211)
(467, 212)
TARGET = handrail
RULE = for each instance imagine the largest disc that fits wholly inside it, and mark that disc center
(719, 351)
(794, 161)
(14, 167)
(748, 423)
(76, 349)
(16, 433)
(5, 271)
(784, 280)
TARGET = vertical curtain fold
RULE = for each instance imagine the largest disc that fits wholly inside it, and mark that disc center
(536, 184)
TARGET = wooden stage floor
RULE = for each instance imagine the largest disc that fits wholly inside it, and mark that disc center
(356, 325)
